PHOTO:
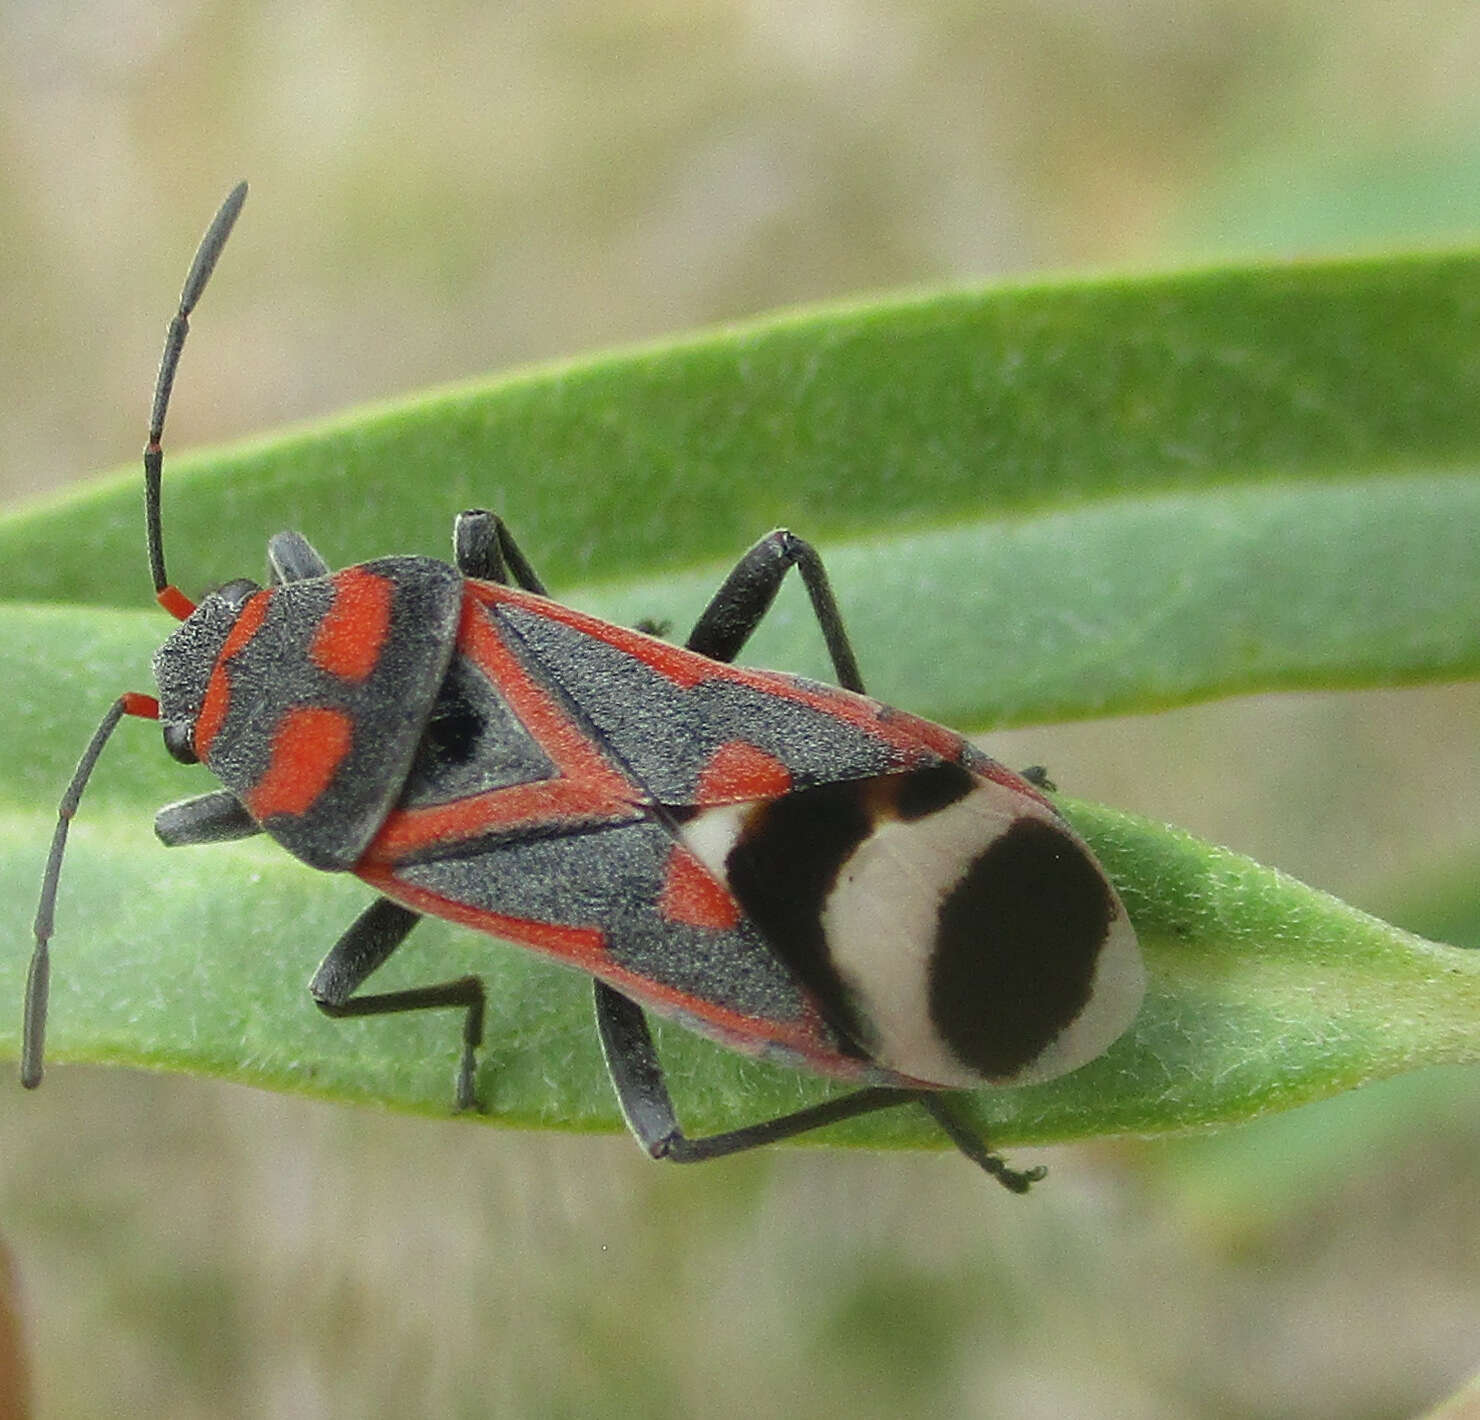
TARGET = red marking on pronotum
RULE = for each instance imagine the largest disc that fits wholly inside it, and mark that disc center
(692, 896)
(218, 688)
(353, 632)
(308, 745)
(737, 772)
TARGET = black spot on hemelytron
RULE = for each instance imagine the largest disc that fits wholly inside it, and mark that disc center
(1016, 946)
(453, 732)
(927, 791)
(781, 871)
(473, 742)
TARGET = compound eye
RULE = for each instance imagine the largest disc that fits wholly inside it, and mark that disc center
(178, 740)
(238, 592)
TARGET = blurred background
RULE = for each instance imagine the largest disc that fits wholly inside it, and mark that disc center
(444, 190)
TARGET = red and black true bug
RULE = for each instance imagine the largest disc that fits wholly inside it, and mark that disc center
(795, 870)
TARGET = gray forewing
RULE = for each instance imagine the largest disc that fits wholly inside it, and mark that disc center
(666, 733)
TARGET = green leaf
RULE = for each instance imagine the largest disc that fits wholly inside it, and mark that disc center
(1054, 501)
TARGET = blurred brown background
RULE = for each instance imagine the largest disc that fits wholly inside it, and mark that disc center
(446, 189)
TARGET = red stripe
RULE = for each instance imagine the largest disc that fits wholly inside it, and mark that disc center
(585, 947)
(946, 743)
(691, 895)
(914, 737)
(683, 668)
(548, 804)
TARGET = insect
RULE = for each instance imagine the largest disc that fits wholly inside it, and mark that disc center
(790, 868)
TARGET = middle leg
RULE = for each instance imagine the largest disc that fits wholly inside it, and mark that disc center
(372, 937)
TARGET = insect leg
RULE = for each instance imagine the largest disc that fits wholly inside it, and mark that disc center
(942, 1111)
(485, 548)
(648, 1108)
(373, 936)
(746, 595)
(291, 558)
(646, 1105)
(217, 817)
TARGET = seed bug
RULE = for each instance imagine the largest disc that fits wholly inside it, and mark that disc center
(790, 868)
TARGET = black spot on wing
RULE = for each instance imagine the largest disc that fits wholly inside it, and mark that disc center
(472, 742)
(781, 871)
(1016, 946)
(926, 791)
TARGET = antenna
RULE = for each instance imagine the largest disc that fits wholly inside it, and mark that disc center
(38, 979)
(169, 597)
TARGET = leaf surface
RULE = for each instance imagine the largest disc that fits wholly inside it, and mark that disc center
(1049, 502)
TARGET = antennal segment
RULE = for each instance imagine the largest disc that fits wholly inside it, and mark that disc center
(209, 250)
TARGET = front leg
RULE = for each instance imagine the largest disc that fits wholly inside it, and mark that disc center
(374, 935)
(217, 817)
